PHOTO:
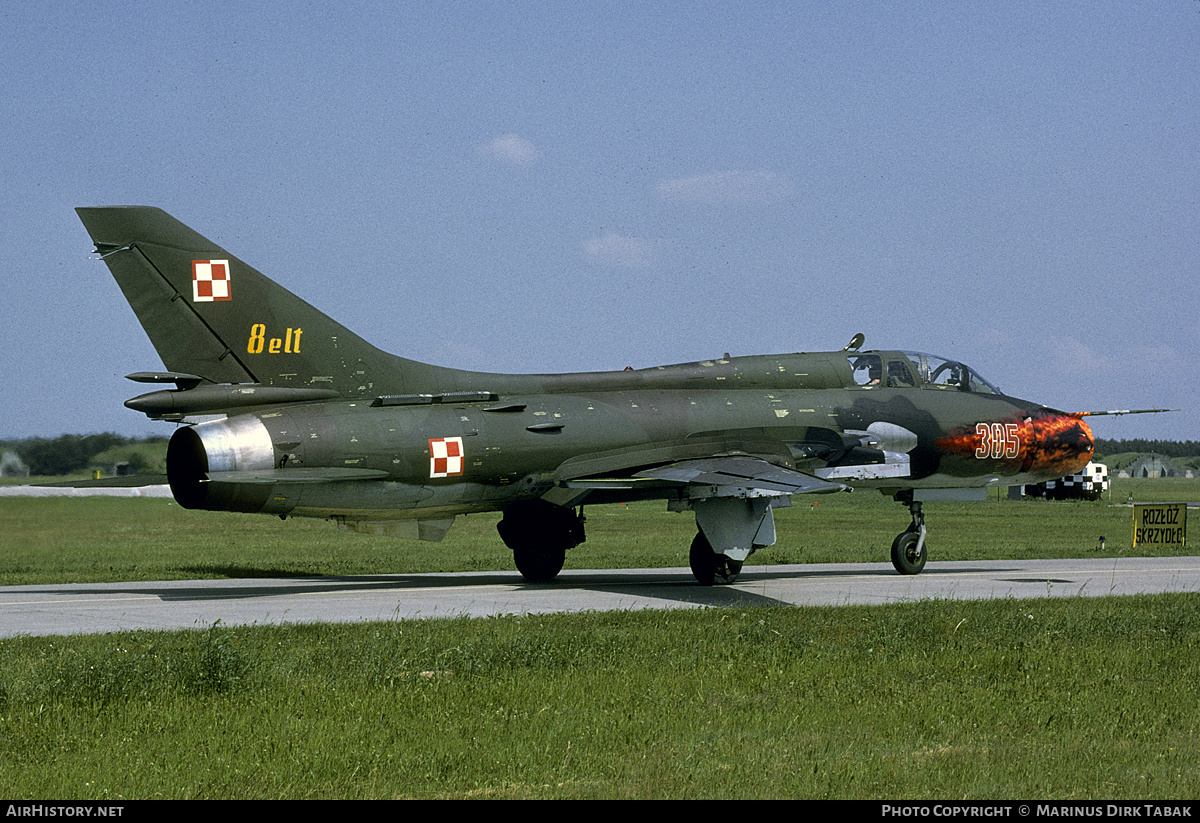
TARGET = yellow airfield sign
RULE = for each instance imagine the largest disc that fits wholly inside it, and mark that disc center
(1159, 524)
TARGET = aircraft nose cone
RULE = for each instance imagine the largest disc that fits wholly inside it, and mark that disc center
(1059, 444)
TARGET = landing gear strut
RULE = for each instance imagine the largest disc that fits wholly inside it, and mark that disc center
(539, 534)
(909, 550)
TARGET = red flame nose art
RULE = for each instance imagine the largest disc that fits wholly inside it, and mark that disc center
(1045, 443)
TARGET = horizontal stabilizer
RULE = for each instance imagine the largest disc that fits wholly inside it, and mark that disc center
(169, 404)
(123, 482)
(295, 475)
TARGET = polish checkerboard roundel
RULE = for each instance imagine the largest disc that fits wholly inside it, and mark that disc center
(445, 456)
(210, 281)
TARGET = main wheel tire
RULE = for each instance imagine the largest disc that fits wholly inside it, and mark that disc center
(539, 564)
(709, 568)
(905, 556)
(539, 535)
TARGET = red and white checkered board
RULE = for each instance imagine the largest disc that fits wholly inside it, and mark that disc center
(445, 456)
(210, 281)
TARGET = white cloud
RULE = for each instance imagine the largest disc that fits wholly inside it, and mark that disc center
(511, 149)
(723, 187)
(1076, 357)
(622, 251)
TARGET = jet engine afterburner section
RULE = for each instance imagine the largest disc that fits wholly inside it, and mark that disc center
(198, 455)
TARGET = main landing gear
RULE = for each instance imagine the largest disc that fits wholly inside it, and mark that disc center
(539, 534)
(710, 568)
(909, 549)
(729, 529)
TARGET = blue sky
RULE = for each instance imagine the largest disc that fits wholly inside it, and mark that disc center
(541, 187)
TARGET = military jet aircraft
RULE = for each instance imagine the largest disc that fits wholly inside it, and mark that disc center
(319, 423)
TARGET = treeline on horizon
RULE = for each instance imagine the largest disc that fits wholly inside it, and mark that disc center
(1166, 448)
(71, 453)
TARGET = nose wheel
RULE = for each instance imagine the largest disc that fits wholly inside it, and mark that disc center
(909, 549)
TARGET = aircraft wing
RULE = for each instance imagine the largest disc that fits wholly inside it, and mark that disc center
(741, 470)
(694, 464)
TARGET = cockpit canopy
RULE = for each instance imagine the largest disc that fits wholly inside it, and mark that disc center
(895, 370)
(939, 371)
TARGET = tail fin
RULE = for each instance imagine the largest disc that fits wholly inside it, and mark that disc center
(211, 315)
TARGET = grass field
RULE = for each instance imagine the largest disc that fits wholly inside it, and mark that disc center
(1054, 699)
(1057, 699)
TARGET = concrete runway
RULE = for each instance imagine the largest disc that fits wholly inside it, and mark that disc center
(76, 608)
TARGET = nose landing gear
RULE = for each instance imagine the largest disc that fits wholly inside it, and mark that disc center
(909, 550)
